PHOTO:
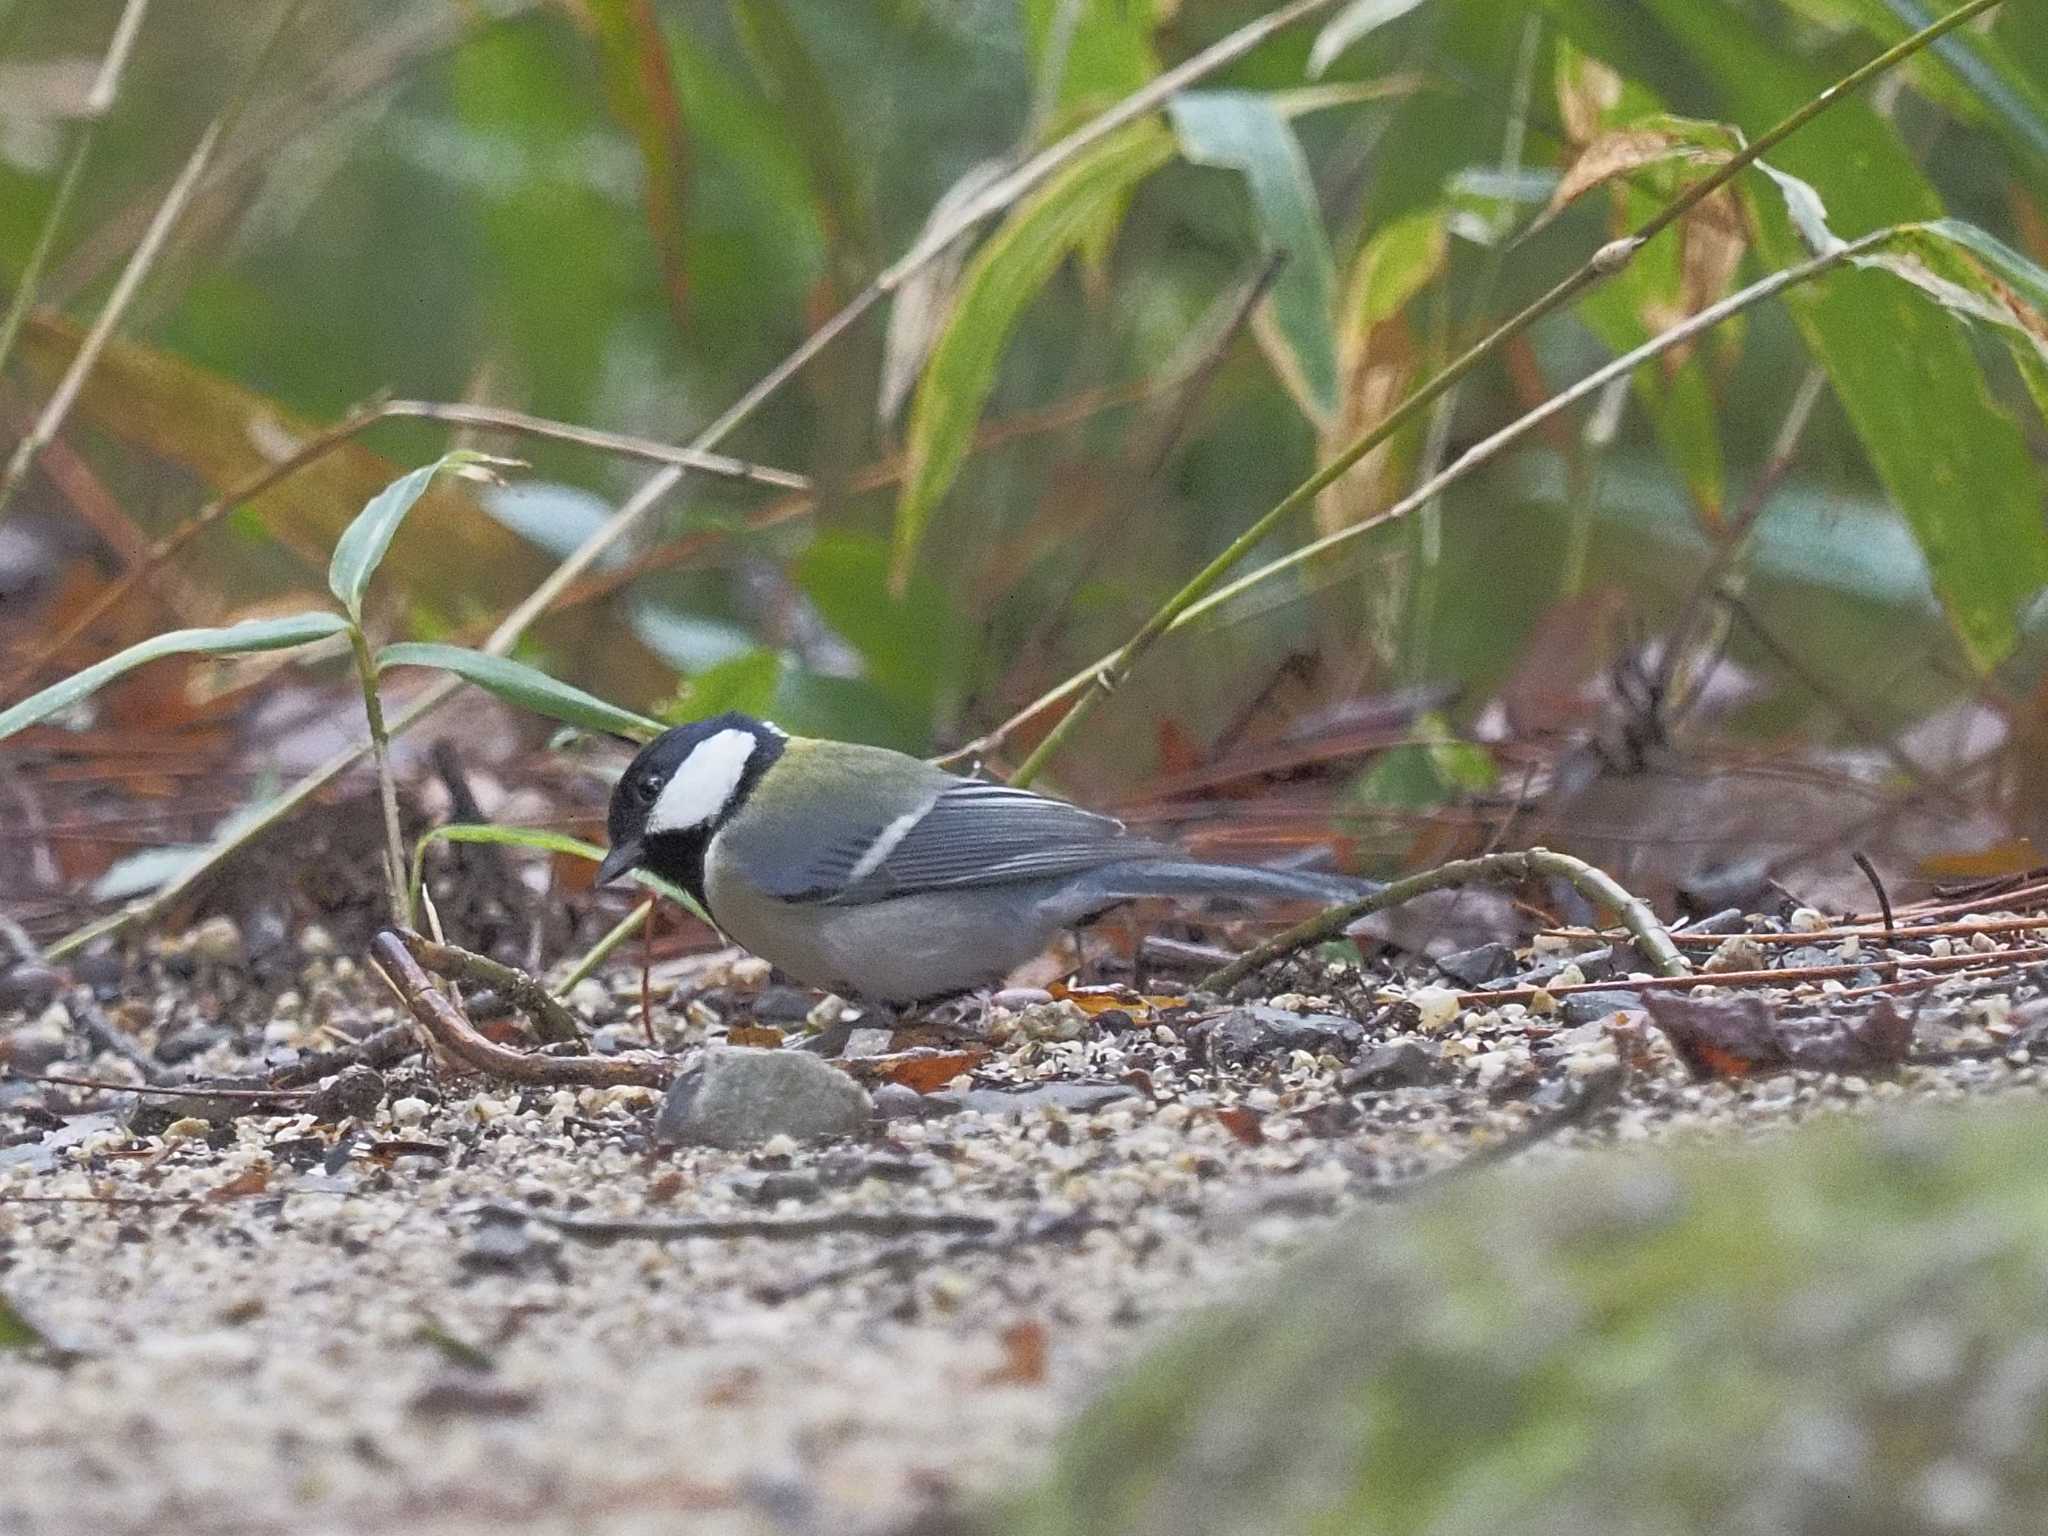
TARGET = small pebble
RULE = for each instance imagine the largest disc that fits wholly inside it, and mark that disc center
(1436, 1008)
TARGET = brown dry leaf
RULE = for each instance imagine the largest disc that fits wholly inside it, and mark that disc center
(665, 1185)
(449, 550)
(1620, 153)
(765, 1036)
(1744, 1034)
(1093, 1001)
(253, 1180)
(1242, 1123)
(1024, 1356)
(1587, 91)
(922, 1071)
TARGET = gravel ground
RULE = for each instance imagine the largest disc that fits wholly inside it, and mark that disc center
(275, 1322)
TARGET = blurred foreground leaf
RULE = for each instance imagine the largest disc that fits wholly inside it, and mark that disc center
(249, 636)
(528, 687)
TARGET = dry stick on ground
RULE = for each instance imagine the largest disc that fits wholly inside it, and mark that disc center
(1787, 976)
(99, 101)
(1908, 931)
(193, 1090)
(1511, 868)
(865, 1223)
(718, 465)
(386, 1048)
(1098, 681)
(551, 1021)
(1884, 900)
(454, 1034)
(936, 238)
(167, 215)
(100, 1033)
(1585, 1099)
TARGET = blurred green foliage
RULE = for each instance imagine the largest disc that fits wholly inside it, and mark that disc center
(623, 212)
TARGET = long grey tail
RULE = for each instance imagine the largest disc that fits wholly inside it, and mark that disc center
(1133, 879)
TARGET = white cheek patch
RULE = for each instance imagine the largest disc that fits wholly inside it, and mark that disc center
(703, 783)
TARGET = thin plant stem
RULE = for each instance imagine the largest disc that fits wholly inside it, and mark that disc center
(601, 951)
(1429, 522)
(1102, 679)
(387, 786)
(99, 101)
(1595, 885)
(48, 423)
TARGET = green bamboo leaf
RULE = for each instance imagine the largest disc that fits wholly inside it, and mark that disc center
(1108, 49)
(1953, 460)
(807, 102)
(360, 549)
(1245, 131)
(1972, 72)
(1004, 276)
(1977, 275)
(747, 683)
(1349, 25)
(1973, 273)
(528, 687)
(250, 635)
(541, 841)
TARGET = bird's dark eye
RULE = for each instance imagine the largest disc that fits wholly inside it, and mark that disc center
(647, 788)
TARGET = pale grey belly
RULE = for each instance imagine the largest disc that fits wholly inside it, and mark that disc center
(904, 950)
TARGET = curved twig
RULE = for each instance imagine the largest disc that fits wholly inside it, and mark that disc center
(448, 1029)
(1594, 884)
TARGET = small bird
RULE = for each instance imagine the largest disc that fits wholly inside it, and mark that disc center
(866, 872)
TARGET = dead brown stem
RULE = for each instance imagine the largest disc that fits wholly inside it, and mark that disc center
(551, 1021)
(446, 1027)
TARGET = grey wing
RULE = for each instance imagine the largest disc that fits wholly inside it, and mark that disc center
(975, 834)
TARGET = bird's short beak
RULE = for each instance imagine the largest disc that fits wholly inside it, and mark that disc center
(623, 857)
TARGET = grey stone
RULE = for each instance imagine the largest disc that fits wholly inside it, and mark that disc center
(1729, 920)
(896, 1101)
(29, 986)
(1476, 967)
(738, 1097)
(351, 1094)
(1074, 1098)
(1246, 1035)
(1740, 886)
(1402, 1063)
(1590, 1007)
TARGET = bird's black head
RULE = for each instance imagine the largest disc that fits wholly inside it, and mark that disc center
(679, 790)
